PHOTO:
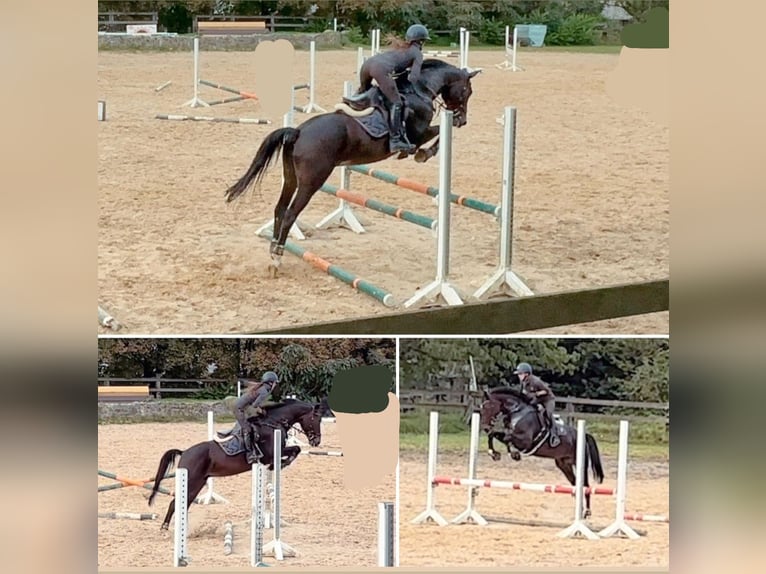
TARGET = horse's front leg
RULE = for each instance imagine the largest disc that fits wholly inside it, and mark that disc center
(424, 154)
(513, 452)
(289, 454)
(491, 446)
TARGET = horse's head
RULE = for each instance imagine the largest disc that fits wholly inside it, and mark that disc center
(456, 94)
(310, 422)
(490, 411)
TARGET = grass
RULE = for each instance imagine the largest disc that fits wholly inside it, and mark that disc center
(648, 440)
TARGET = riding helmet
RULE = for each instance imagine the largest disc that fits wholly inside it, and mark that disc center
(523, 368)
(270, 377)
(417, 32)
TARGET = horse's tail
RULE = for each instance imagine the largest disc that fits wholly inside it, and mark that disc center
(595, 458)
(166, 463)
(267, 153)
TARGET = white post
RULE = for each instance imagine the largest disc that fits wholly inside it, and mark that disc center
(359, 59)
(473, 387)
(619, 525)
(386, 529)
(465, 36)
(343, 215)
(375, 44)
(430, 513)
(256, 516)
(267, 229)
(312, 105)
(334, 24)
(210, 496)
(510, 51)
(101, 110)
(441, 287)
(470, 514)
(578, 527)
(504, 280)
(277, 547)
(180, 534)
(196, 101)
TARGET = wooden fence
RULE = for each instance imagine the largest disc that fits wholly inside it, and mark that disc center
(272, 22)
(570, 408)
(159, 386)
(118, 21)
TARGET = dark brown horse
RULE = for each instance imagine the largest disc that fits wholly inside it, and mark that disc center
(227, 457)
(506, 415)
(311, 151)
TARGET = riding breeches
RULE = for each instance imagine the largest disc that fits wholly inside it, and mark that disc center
(385, 82)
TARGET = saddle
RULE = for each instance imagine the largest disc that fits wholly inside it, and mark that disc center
(372, 98)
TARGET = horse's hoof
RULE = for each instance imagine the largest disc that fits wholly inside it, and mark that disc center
(516, 456)
(273, 270)
(421, 156)
(494, 455)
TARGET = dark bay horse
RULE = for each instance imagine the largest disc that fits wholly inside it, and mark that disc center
(227, 458)
(522, 431)
(351, 136)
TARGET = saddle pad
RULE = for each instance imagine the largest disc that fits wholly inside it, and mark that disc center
(376, 124)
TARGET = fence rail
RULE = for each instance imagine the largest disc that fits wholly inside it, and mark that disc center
(273, 23)
(117, 21)
(159, 386)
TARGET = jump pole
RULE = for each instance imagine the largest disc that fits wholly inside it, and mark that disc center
(312, 106)
(504, 280)
(211, 496)
(578, 527)
(510, 50)
(277, 547)
(228, 538)
(257, 508)
(387, 550)
(180, 532)
(470, 514)
(196, 101)
(619, 526)
(441, 287)
(430, 513)
(128, 515)
(343, 215)
(212, 119)
(346, 277)
(106, 320)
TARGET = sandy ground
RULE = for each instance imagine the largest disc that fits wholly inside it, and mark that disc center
(503, 544)
(591, 206)
(327, 524)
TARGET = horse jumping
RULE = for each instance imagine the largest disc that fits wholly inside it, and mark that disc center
(523, 433)
(226, 456)
(356, 133)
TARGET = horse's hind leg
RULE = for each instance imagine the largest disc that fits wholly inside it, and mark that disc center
(289, 185)
(169, 514)
(310, 177)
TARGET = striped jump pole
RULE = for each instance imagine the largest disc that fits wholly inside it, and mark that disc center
(228, 538)
(440, 287)
(578, 526)
(646, 517)
(241, 93)
(387, 550)
(403, 182)
(181, 530)
(529, 486)
(176, 117)
(347, 277)
(504, 280)
(226, 101)
(257, 509)
(323, 452)
(277, 547)
(430, 514)
(127, 515)
(380, 207)
(211, 496)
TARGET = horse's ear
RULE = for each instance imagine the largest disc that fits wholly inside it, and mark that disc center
(486, 394)
(473, 73)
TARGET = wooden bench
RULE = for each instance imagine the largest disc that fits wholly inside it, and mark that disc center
(123, 393)
(223, 27)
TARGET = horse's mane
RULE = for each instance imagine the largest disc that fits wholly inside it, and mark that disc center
(505, 392)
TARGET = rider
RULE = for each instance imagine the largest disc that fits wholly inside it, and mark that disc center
(255, 395)
(381, 67)
(540, 395)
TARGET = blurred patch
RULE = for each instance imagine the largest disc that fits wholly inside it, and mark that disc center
(642, 80)
(273, 71)
(652, 34)
(361, 390)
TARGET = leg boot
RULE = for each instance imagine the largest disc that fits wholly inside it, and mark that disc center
(398, 137)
